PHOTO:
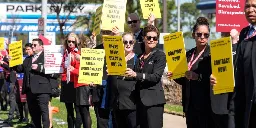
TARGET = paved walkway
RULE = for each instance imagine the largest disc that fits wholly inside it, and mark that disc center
(172, 121)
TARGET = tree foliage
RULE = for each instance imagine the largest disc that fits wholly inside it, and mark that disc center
(189, 14)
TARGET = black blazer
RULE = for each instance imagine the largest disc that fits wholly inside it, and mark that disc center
(139, 46)
(197, 93)
(35, 81)
(245, 78)
(200, 93)
(150, 87)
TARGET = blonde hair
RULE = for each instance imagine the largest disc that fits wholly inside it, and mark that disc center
(72, 34)
(131, 34)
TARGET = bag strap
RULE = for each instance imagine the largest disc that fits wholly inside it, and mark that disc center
(134, 59)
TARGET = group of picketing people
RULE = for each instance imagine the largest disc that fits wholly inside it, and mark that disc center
(137, 99)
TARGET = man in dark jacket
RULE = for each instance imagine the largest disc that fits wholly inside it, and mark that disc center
(245, 75)
(133, 22)
(36, 85)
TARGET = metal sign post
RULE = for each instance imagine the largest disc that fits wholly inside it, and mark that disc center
(41, 26)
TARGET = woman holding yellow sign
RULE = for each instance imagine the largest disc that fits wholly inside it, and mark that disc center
(123, 99)
(195, 84)
(148, 72)
(203, 109)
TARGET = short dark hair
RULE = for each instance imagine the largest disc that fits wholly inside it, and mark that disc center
(40, 42)
(28, 45)
(150, 28)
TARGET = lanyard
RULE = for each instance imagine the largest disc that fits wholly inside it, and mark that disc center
(191, 62)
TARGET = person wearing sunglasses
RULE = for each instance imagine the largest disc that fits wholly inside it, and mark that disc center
(148, 72)
(68, 91)
(133, 22)
(123, 90)
(82, 89)
(202, 108)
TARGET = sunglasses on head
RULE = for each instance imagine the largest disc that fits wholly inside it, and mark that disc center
(132, 21)
(70, 41)
(150, 37)
(126, 42)
(206, 35)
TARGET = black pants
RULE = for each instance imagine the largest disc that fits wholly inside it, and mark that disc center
(3, 94)
(12, 100)
(252, 122)
(125, 118)
(85, 115)
(199, 119)
(220, 121)
(150, 116)
(23, 106)
(39, 109)
(72, 121)
(102, 116)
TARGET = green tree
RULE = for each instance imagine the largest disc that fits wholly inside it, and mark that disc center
(188, 16)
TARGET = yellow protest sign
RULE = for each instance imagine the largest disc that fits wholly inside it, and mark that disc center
(2, 43)
(115, 57)
(97, 20)
(150, 6)
(91, 66)
(16, 54)
(222, 65)
(113, 14)
(175, 51)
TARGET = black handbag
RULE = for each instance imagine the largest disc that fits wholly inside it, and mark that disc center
(55, 92)
(55, 88)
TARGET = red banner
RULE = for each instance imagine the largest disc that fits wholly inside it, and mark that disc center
(230, 15)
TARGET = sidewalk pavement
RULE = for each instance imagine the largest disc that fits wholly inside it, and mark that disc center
(170, 121)
(173, 121)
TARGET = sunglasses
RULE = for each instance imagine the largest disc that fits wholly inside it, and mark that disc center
(206, 35)
(34, 45)
(70, 41)
(126, 42)
(150, 37)
(132, 21)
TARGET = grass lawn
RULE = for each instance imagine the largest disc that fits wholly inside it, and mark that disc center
(174, 109)
(60, 121)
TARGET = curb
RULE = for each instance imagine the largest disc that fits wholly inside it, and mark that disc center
(173, 113)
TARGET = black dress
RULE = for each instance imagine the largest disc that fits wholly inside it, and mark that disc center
(122, 99)
(82, 95)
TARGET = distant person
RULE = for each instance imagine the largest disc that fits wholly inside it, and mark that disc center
(134, 22)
